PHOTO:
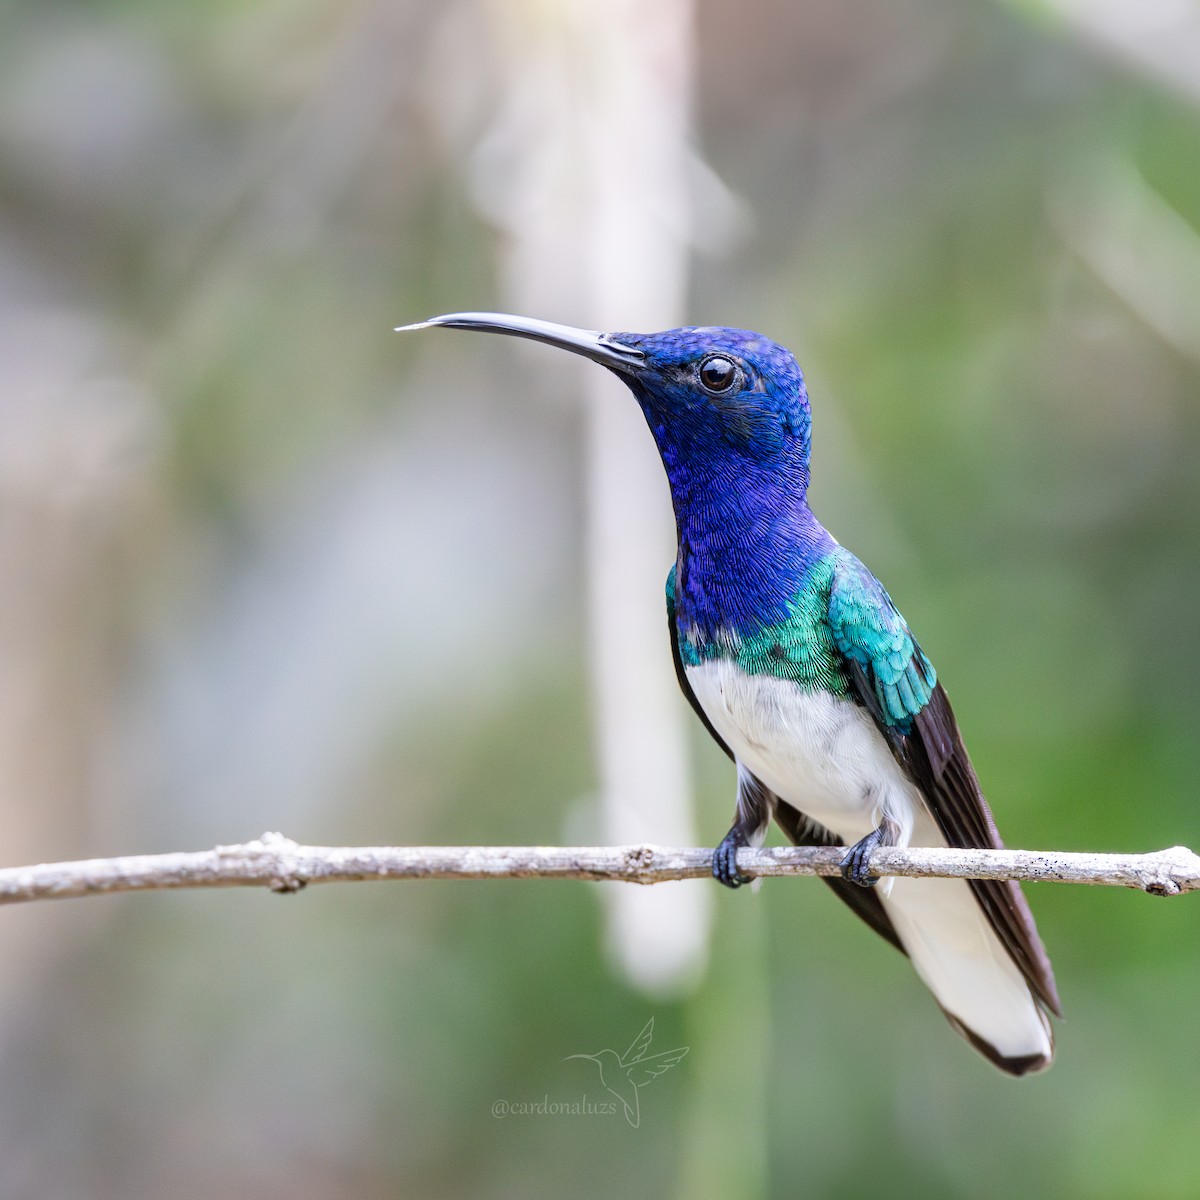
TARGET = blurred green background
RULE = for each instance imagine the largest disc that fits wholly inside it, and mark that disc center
(265, 565)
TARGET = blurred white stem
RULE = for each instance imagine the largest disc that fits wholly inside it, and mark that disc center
(587, 170)
(284, 866)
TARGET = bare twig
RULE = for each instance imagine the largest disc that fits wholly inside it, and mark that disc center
(277, 862)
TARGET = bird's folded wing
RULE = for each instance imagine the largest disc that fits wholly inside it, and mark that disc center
(680, 673)
(894, 681)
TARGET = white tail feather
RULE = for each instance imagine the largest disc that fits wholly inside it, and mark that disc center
(958, 954)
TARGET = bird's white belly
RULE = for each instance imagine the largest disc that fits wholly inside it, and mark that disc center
(824, 756)
(819, 752)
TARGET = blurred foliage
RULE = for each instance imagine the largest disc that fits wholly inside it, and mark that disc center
(266, 566)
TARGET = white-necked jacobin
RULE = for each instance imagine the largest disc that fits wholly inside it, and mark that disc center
(799, 665)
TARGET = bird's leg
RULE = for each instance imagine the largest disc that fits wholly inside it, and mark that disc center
(724, 863)
(856, 866)
(754, 805)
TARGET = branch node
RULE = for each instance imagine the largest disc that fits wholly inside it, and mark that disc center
(1170, 872)
(638, 864)
(1161, 887)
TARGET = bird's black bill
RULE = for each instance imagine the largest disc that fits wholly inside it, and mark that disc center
(599, 347)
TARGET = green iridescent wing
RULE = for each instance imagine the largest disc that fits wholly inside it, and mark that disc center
(894, 681)
(876, 644)
(798, 828)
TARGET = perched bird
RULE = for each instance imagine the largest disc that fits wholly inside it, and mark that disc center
(799, 665)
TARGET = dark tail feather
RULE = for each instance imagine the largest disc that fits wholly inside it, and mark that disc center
(1025, 1064)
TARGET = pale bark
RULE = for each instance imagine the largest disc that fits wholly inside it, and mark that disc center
(277, 862)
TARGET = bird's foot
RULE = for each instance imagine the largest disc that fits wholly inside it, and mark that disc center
(724, 862)
(856, 866)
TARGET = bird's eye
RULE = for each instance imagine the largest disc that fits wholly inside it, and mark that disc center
(717, 373)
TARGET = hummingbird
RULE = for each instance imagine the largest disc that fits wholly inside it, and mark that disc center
(624, 1074)
(802, 669)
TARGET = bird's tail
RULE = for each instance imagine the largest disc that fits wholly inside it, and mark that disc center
(955, 949)
(958, 953)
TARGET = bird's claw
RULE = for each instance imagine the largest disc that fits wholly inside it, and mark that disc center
(856, 866)
(724, 862)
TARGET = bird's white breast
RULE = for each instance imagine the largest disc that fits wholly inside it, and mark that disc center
(820, 752)
(824, 755)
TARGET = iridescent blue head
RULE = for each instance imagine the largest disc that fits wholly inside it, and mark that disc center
(729, 412)
(724, 405)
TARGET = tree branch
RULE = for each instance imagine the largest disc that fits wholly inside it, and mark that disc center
(277, 862)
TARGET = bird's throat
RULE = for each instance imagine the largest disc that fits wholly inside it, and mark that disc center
(744, 555)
